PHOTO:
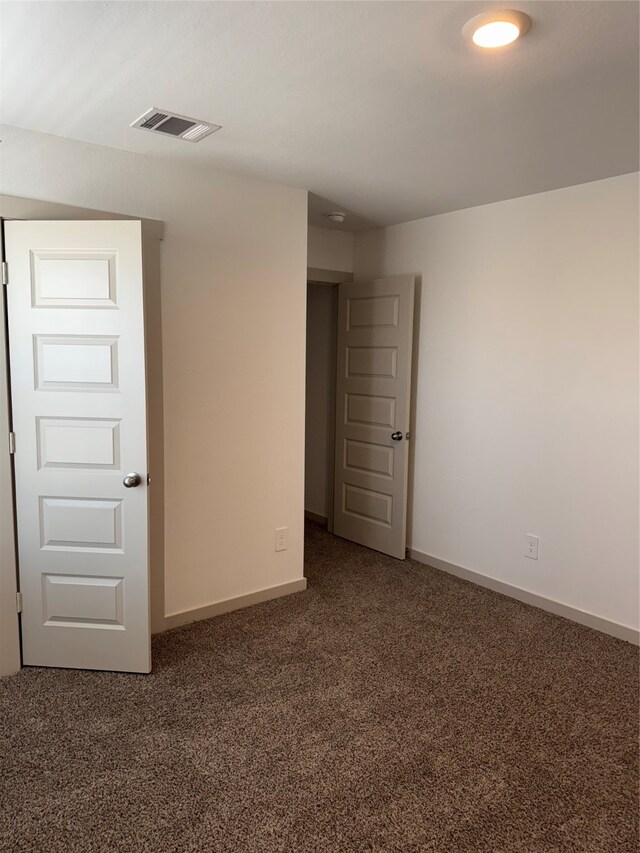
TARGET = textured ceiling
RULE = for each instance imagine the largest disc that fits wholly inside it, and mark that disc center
(380, 109)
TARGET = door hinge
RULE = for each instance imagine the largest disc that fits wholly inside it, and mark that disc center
(5, 272)
(12, 442)
(19, 602)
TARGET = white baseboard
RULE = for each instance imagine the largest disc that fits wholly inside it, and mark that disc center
(315, 516)
(598, 623)
(184, 617)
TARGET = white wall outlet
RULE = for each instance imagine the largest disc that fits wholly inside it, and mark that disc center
(531, 549)
(282, 538)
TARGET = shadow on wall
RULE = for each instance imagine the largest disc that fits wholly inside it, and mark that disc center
(155, 428)
(415, 361)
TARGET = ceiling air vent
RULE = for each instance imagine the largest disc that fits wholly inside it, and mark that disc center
(173, 124)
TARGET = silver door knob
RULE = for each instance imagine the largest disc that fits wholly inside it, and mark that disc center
(132, 480)
(396, 436)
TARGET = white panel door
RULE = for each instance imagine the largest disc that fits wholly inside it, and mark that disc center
(76, 338)
(373, 401)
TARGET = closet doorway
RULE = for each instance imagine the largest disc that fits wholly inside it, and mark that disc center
(320, 401)
(358, 408)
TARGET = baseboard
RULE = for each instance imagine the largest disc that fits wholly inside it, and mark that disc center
(315, 516)
(598, 623)
(174, 620)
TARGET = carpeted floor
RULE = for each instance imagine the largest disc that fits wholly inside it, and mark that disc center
(388, 708)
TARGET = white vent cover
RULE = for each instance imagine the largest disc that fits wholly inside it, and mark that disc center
(173, 124)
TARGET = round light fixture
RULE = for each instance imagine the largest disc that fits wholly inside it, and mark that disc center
(337, 216)
(496, 29)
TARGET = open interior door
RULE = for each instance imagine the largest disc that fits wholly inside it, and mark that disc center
(373, 388)
(77, 363)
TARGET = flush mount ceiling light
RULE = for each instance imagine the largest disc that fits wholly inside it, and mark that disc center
(337, 216)
(496, 29)
(174, 124)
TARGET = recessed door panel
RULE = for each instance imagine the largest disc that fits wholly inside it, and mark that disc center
(76, 336)
(365, 312)
(80, 523)
(82, 443)
(76, 362)
(374, 507)
(76, 601)
(370, 409)
(368, 457)
(372, 361)
(73, 279)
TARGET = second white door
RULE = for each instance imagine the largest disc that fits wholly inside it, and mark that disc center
(373, 401)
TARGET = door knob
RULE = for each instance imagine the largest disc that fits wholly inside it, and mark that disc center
(132, 480)
(396, 436)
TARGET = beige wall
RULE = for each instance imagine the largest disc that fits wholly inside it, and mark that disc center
(330, 250)
(233, 271)
(526, 412)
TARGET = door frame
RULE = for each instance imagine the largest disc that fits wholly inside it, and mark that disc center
(330, 278)
(370, 536)
(14, 207)
(333, 278)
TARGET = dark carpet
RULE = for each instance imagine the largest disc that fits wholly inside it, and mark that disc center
(389, 708)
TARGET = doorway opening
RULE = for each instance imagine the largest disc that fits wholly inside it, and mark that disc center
(320, 402)
(358, 407)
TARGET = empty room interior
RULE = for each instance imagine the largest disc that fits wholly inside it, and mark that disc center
(319, 426)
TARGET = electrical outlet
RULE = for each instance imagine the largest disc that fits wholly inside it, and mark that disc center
(282, 538)
(531, 548)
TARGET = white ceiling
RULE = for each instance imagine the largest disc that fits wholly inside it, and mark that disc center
(380, 109)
